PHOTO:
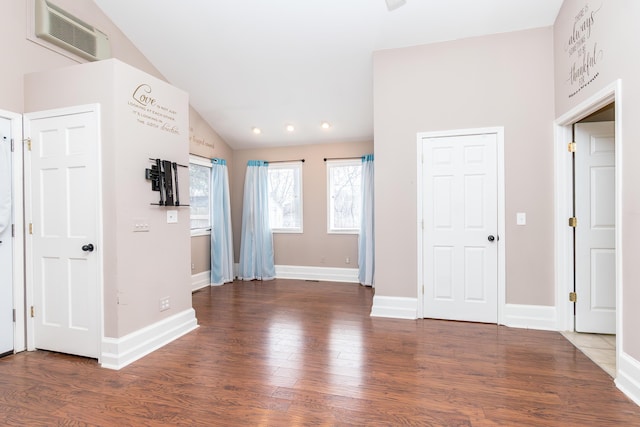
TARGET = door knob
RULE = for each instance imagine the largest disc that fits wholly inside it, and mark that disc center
(88, 248)
(491, 238)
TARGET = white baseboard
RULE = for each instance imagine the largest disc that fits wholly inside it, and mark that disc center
(200, 280)
(628, 377)
(301, 272)
(326, 274)
(394, 307)
(541, 317)
(120, 352)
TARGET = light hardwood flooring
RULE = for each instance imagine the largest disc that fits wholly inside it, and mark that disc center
(296, 353)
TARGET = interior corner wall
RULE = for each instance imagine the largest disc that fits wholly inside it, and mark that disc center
(497, 80)
(595, 45)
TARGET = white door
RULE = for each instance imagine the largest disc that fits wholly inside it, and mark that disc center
(62, 180)
(460, 228)
(6, 241)
(595, 232)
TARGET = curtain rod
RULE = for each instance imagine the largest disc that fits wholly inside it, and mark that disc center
(342, 158)
(285, 161)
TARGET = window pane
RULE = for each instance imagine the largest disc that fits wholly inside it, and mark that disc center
(344, 196)
(200, 181)
(285, 197)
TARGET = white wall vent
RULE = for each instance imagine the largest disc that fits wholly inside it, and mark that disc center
(68, 32)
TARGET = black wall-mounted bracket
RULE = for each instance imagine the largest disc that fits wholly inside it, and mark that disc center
(163, 175)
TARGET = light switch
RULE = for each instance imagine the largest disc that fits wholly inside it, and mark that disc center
(521, 218)
(140, 224)
(172, 217)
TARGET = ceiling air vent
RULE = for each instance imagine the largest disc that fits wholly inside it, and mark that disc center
(68, 32)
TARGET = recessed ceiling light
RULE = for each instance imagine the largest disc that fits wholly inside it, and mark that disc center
(257, 131)
(325, 125)
(290, 128)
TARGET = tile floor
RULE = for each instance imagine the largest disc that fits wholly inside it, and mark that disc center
(599, 348)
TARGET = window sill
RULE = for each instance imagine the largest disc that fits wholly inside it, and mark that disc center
(195, 233)
(354, 232)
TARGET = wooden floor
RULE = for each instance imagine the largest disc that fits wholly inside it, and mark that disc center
(289, 353)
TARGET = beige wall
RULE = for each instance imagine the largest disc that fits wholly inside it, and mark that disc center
(205, 142)
(200, 254)
(26, 56)
(315, 247)
(499, 80)
(610, 42)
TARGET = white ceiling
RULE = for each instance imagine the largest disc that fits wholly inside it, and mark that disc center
(269, 63)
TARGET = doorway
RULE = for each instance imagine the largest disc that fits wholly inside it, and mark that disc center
(460, 184)
(570, 315)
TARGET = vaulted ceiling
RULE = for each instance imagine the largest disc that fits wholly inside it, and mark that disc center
(271, 63)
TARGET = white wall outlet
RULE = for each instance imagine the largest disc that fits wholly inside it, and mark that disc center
(164, 304)
(347, 260)
(521, 218)
(172, 217)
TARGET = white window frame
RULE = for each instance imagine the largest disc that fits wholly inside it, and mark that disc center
(331, 164)
(297, 166)
(200, 161)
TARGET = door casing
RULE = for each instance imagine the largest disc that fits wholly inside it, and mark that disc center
(499, 132)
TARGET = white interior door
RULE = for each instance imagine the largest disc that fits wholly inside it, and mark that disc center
(6, 240)
(63, 205)
(595, 231)
(460, 228)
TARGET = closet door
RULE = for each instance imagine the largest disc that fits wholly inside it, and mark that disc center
(6, 240)
(63, 247)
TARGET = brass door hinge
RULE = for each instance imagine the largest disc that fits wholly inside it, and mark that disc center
(571, 147)
(573, 222)
(573, 297)
(30, 228)
(33, 312)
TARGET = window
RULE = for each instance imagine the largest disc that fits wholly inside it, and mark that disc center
(343, 192)
(285, 197)
(199, 195)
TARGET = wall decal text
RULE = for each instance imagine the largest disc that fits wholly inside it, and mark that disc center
(584, 53)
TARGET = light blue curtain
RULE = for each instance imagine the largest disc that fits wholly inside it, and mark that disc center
(256, 243)
(366, 244)
(221, 234)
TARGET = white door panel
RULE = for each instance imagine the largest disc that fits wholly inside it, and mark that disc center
(460, 213)
(6, 240)
(64, 211)
(595, 232)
